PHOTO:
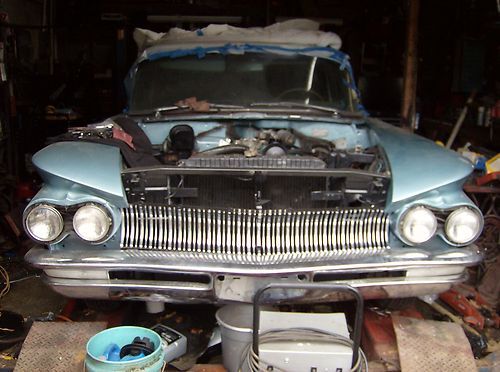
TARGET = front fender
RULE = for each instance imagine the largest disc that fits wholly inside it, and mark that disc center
(417, 164)
(84, 166)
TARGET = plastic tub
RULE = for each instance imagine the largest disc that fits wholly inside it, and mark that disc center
(123, 336)
(235, 322)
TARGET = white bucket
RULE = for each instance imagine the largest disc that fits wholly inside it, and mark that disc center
(236, 330)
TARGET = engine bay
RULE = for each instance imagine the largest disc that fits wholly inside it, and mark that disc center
(251, 167)
(261, 148)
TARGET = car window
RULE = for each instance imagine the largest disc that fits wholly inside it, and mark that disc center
(241, 80)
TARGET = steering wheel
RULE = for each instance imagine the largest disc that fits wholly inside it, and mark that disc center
(301, 90)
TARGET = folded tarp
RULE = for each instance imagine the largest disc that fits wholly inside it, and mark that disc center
(300, 32)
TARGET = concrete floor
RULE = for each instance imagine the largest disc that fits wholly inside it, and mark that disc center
(32, 298)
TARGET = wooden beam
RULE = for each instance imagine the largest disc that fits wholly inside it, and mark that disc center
(410, 69)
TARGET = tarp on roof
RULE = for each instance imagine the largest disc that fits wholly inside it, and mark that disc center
(300, 32)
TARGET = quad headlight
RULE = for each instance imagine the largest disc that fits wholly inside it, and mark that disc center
(418, 225)
(92, 223)
(463, 225)
(44, 223)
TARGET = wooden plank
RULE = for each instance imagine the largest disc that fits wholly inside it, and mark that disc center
(410, 70)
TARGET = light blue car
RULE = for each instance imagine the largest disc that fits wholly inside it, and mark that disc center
(245, 159)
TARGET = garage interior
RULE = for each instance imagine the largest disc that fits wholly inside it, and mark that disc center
(425, 67)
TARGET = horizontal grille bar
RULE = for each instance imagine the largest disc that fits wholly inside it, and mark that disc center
(248, 234)
(287, 162)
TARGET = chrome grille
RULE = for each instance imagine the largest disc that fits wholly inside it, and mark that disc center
(243, 235)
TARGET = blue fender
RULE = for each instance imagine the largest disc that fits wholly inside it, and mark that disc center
(82, 169)
(417, 164)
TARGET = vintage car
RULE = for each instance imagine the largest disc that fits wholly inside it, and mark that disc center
(244, 157)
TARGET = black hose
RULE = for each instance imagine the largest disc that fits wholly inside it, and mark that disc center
(13, 340)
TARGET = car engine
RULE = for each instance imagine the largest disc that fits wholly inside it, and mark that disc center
(273, 169)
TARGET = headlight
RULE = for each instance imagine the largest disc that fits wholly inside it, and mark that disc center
(463, 225)
(44, 223)
(91, 223)
(418, 225)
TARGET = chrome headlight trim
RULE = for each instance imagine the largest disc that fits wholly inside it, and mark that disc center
(455, 215)
(103, 222)
(59, 228)
(405, 224)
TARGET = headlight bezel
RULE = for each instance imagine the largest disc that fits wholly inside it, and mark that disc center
(107, 215)
(441, 215)
(67, 213)
(61, 231)
(455, 211)
(405, 214)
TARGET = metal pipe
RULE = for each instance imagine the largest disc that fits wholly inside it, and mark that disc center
(246, 172)
(461, 118)
(227, 149)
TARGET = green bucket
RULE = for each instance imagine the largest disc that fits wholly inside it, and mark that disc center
(122, 336)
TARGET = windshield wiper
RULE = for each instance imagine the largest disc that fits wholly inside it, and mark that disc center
(263, 106)
(159, 111)
(305, 106)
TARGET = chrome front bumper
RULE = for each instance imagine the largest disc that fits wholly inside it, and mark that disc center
(110, 274)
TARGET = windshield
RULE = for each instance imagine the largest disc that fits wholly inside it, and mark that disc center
(241, 79)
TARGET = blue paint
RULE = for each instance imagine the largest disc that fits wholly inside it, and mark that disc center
(90, 165)
(417, 164)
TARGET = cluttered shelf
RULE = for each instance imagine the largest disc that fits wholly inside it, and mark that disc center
(440, 130)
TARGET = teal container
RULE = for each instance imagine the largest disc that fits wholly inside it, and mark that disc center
(122, 336)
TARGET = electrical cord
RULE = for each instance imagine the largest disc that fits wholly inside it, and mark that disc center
(254, 362)
(24, 278)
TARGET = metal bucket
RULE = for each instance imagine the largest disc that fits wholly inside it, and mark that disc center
(123, 336)
(236, 330)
